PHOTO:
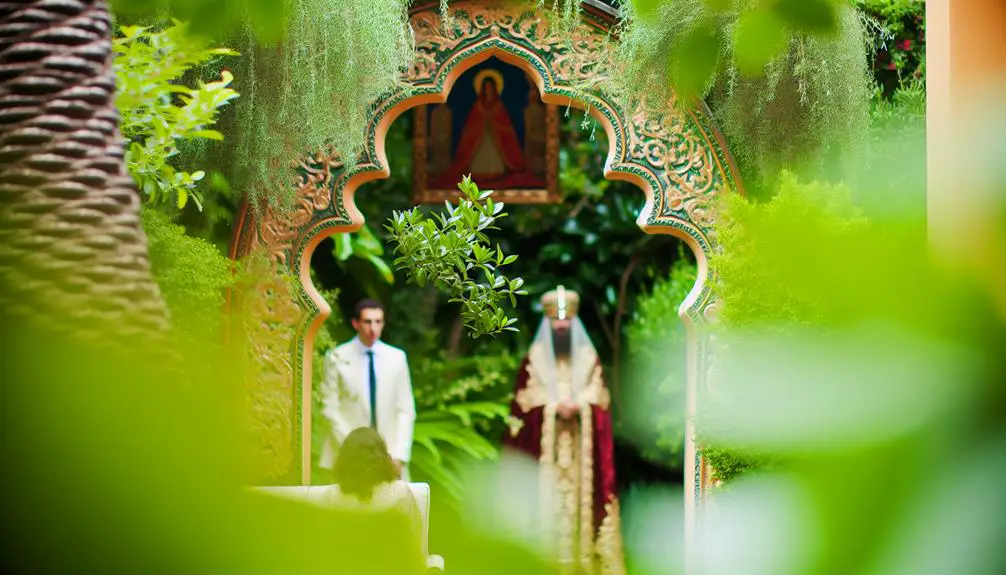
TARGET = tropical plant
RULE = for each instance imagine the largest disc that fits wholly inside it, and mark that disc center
(462, 406)
(158, 110)
(365, 246)
(451, 251)
(445, 441)
(75, 253)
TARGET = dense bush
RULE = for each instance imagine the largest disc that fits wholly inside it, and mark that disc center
(193, 277)
(656, 378)
(811, 233)
(899, 38)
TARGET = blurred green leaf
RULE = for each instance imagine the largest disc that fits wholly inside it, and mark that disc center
(646, 9)
(693, 62)
(213, 19)
(343, 248)
(382, 267)
(759, 37)
(813, 16)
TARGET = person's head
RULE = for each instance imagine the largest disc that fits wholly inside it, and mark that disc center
(560, 306)
(490, 91)
(363, 463)
(368, 321)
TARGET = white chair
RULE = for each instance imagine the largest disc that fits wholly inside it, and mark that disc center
(421, 491)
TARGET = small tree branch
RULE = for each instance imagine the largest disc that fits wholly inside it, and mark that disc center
(608, 333)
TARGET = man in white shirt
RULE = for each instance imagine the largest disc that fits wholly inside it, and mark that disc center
(366, 383)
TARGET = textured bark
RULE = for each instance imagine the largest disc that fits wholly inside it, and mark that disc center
(72, 251)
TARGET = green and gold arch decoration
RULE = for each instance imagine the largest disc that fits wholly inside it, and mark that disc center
(677, 160)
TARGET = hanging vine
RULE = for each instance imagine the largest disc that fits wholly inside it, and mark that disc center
(786, 92)
(314, 89)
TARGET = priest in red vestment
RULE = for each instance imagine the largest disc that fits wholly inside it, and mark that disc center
(561, 404)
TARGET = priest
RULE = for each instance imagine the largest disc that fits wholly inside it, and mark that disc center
(561, 418)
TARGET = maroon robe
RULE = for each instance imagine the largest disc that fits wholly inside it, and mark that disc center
(529, 441)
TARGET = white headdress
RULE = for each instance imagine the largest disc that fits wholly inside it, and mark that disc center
(562, 304)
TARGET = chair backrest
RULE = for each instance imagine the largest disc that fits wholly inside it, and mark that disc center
(316, 494)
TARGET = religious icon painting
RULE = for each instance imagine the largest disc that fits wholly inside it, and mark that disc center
(495, 127)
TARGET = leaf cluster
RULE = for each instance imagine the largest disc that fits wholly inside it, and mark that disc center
(451, 252)
(364, 245)
(158, 110)
(462, 406)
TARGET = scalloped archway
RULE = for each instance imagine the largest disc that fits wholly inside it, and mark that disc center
(679, 162)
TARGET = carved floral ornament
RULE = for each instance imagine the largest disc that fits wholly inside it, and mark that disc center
(677, 158)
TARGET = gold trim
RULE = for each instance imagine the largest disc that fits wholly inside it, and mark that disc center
(546, 467)
(586, 486)
(596, 393)
(533, 395)
(610, 551)
(566, 513)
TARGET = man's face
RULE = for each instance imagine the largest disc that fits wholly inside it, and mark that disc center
(562, 342)
(369, 325)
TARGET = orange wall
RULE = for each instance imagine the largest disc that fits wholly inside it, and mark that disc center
(965, 58)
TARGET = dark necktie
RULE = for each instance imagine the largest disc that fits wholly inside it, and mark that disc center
(373, 390)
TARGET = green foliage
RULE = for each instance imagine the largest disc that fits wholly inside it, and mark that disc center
(312, 92)
(211, 19)
(158, 111)
(797, 98)
(193, 277)
(656, 380)
(363, 245)
(451, 251)
(729, 464)
(777, 297)
(899, 38)
(565, 14)
(461, 405)
(795, 265)
(893, 180)
(753, 293)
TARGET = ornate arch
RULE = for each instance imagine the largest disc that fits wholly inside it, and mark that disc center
(678, 161)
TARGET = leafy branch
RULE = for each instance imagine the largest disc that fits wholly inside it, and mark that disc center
(452, 252)
(159, 110)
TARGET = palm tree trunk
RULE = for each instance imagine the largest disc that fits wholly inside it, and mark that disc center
(73, 254)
